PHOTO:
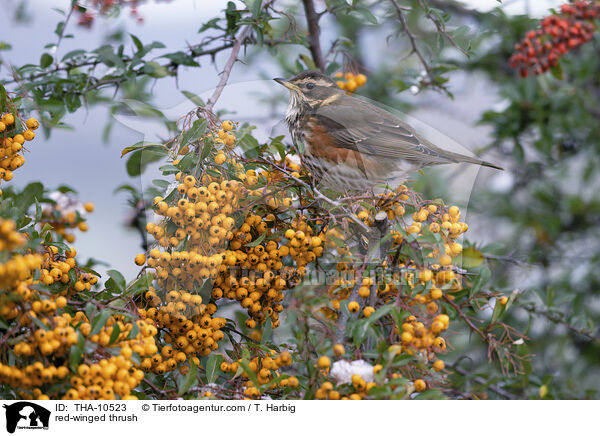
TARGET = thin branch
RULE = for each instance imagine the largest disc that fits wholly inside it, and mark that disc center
(93, 63)
(227, 70)
(557, 319)
(440, 26)
(472, 326)
(314, 44)
(413, 42)
(62, 34)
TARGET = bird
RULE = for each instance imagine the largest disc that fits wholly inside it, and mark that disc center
(351, 145)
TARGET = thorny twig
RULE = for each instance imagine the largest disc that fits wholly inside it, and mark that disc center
(493, 344)
(472, 326)
(557, 319)
(413, 42)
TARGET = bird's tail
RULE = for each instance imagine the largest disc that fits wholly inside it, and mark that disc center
(473, 160)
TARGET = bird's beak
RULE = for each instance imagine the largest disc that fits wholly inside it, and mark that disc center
(286, 83)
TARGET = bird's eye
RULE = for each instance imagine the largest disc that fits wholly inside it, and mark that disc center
(310, 85)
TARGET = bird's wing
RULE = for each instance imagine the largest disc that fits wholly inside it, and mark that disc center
(360, 126)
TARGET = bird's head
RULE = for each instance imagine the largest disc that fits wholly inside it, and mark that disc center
(311, 87)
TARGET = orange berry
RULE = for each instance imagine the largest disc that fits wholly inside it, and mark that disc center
(140, 259)
(28, 135)
(339, 350)
(420, 385)
(8, 119)
(32, 123)
(324, 362)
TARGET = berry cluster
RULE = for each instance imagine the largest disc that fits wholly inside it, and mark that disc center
(239, 250)
(66, 214)
(349, 82)
(356, 380)
(187, 325)
(57, 268)
(89, 9)
(43, 332)
(558, 34)
(104, 380)
(265, 366)
(417, 287)
(13, 134)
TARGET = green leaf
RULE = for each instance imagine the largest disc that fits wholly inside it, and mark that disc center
(251, 374)
(187, 161)
(254, 7)
(472, 258)
(118, 279)
(38, 211)
(29, 195)
(365, 14)
(99, 321)
(257, 241)
(74, 358)
(158, 148)
(137, 42)
(2, 98)
(193, 98)
(194, 133)
(213, 367)
(156, 70)
(207, 146)
(134, 164)
(140, 285)
(46, 60)
(160, 183)
(108, 56)
(89, 270)
(483, 278)
(73, 53)
(139, 159)
(76, 352)
(60, 29)
(499, 310)
(267, 331)
(181, 58)
(380, 313)
(115, 333)
(309, 62)
(190, 379)
(135, 330)
(360, 330)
